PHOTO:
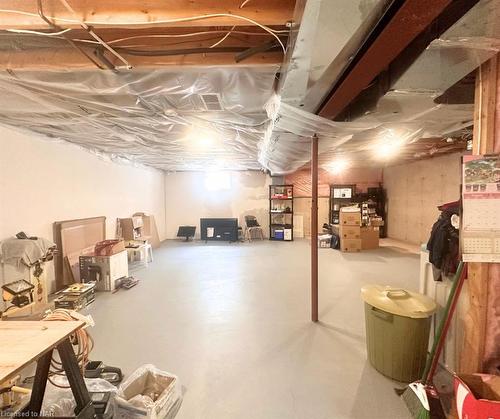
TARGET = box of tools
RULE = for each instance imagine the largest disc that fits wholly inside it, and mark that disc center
(76, 296)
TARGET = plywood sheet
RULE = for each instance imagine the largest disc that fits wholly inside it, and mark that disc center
(74, 238)
(415, 190)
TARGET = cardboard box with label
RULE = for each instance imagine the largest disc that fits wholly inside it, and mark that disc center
(350, 216)
(376, 222)
(350, 245)
(350, 232)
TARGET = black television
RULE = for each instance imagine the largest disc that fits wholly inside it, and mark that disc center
(219, 229)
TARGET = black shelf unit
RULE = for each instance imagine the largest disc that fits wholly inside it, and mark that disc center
(375, 201)
(281, 212)
(371, 202)
(340, 196)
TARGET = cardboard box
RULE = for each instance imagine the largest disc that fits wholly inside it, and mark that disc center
(350, 245)
(137, 221)
(477, 396)
(369, 238)
(109, 247)
(163, 391)
(350, 218)
(376, 222)
(350, 232)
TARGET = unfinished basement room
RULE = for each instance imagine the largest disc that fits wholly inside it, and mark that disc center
(250, 209)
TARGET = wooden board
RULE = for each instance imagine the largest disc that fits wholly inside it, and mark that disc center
(74, 238)
(481, 275)
(23, 342)
(150, 13)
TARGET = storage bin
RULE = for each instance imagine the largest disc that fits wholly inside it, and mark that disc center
(397, 331)
(148, 393)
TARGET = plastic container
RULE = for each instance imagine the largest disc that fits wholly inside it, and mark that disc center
(148, 393)
(397, 331)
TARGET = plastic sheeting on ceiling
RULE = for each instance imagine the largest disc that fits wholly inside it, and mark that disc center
(172, 119)
(404, 115)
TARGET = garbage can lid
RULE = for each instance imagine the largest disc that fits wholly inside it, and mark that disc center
(398, 301)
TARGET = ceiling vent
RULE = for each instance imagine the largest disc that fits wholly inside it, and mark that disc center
(211, 101)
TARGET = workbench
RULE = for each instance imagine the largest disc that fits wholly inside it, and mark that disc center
(24, 342)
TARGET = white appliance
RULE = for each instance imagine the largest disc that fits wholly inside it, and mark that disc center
(439, 291)
(104, 270)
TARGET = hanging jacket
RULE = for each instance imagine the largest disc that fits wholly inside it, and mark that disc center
(443, 244)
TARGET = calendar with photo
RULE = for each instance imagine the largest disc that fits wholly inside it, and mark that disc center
(480, 231)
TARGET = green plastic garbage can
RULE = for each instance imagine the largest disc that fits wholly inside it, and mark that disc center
(397, 330)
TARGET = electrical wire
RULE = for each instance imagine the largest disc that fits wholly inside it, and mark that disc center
(39, 33)
(97, 37)
(273, 32)
(64, 36)
(245, 2)
(223, 38)
(180, 35)
(81, 338)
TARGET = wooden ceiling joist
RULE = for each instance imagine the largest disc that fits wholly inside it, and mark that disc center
(147, 13)
(148, 34)
(67, 58)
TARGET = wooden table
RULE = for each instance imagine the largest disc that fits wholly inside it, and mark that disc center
(24, 342)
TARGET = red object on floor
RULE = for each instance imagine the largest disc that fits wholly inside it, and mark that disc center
(469, 404)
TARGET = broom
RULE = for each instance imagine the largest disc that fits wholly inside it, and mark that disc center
(416, 395)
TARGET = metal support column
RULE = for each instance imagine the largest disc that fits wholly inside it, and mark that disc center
(314, 228)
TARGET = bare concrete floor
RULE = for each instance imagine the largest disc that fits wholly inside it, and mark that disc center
(232, 321)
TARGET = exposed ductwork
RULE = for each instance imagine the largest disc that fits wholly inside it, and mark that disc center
(408, 110)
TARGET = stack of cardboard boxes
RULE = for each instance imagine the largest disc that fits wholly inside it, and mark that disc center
(353, 236)
(350, 229)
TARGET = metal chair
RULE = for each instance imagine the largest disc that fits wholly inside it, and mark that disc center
(252, 225)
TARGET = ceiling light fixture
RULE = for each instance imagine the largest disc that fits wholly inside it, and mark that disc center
(201, 139)
(389, 146)
(338, 166)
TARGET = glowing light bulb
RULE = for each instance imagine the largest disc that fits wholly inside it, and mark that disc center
(338, 166)
(389, 146)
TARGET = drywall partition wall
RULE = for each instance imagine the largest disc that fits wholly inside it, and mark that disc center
(415, 190)
(42, 181)
(194, 195)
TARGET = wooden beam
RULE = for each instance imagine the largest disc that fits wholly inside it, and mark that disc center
(314, 230)
(481, 274)
(164, 37)
(484, 111)
(106, 13)
(66, 58)
(399, 27)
